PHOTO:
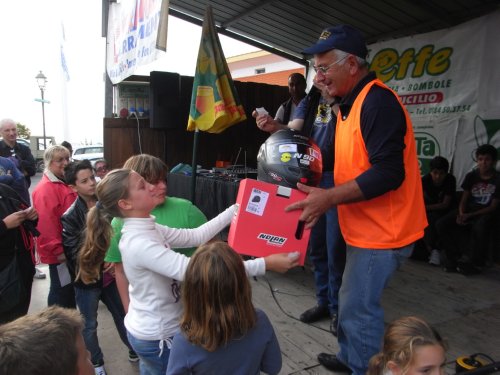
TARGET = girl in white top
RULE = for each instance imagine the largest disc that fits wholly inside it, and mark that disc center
(154, 271)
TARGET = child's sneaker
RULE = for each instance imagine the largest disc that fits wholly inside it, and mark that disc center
(435, 258)
(99, 370)
(132, 356)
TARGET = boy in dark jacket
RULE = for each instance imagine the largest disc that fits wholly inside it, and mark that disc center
(80, 177)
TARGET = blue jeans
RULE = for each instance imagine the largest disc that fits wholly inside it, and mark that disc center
(63, 296)
(327, 253)
(88, 302)
(153, 354)
(361, 317)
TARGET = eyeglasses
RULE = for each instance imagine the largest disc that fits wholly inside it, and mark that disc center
(324, 69)
(60, 160)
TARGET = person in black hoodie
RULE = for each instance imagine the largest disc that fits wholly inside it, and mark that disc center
(80, 177)
(17, 229)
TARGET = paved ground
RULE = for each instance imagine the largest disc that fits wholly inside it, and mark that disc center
(466, 310)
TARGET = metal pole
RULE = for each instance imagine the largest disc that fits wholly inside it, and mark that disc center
(43, 121)
(194, 166)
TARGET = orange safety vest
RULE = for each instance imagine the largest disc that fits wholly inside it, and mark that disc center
(394, 219)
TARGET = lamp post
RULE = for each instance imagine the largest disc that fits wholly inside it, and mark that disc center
(42, 82)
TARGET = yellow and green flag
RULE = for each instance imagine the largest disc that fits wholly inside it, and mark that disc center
(215, 104)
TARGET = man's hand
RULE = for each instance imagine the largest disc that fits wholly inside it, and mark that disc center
(31, 213)
(266, 123)
(15, 219)
(316, 204)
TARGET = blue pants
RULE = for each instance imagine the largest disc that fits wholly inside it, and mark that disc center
(327, 253)
(88, 302)
(153, 354)
(63, 296)
(361, 317)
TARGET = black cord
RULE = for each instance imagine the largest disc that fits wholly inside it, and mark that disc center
(284, 312)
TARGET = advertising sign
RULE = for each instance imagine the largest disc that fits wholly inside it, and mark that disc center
(442, 78)
(132, 36)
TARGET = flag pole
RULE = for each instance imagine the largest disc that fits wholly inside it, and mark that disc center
(194, 166)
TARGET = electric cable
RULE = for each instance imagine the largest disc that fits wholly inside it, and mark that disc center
(273, 294)
(138, 130)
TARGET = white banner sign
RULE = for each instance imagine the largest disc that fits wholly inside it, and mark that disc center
(442, 78)
(132, 35)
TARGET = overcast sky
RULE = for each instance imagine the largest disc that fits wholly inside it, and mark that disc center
(31, 37)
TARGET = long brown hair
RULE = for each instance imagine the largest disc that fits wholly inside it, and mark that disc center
(112, 188)
(402, 337)
(217, 297)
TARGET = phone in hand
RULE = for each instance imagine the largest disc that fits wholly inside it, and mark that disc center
(261, 111)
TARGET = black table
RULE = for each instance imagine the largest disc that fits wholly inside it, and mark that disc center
(213, 194)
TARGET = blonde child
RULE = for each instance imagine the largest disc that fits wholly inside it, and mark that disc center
(410, 347)
(153, 270)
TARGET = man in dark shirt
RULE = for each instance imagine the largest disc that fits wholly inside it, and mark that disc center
(21, 157)
(378, 191)
(18, 153)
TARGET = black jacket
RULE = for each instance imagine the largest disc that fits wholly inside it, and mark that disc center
(73, 222)
(15, 239)
(27, 163)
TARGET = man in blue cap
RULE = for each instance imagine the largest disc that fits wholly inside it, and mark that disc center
(377, 191)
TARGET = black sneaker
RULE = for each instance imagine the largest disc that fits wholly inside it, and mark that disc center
(331, 362)
(314, 314)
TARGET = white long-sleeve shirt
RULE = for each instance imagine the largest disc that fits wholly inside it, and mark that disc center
(154, 271)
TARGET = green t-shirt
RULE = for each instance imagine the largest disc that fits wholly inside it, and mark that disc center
(174, 213)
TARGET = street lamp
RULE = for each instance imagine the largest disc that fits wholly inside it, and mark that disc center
(42, 82)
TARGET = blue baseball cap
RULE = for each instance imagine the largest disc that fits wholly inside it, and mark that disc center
(342, 37)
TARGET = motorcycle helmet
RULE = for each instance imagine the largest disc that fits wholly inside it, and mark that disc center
(288, 157)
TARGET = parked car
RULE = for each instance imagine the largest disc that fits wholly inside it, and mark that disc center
(89, 152)
(23, 141)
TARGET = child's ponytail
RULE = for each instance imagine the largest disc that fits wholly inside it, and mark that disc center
(110, 190)
(97, 238)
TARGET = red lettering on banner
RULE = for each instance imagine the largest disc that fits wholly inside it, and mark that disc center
(427, 98)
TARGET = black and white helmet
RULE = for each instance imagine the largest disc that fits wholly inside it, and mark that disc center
(288, 157)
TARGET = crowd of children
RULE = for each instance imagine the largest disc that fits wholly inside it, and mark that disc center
(459, 232)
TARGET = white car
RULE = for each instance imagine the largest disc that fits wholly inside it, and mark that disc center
(89, 152)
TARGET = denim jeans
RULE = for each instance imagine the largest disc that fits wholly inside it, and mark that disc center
(327, 253)
(58, 295)
(87, 300)
(361, 317)
(153, 354)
